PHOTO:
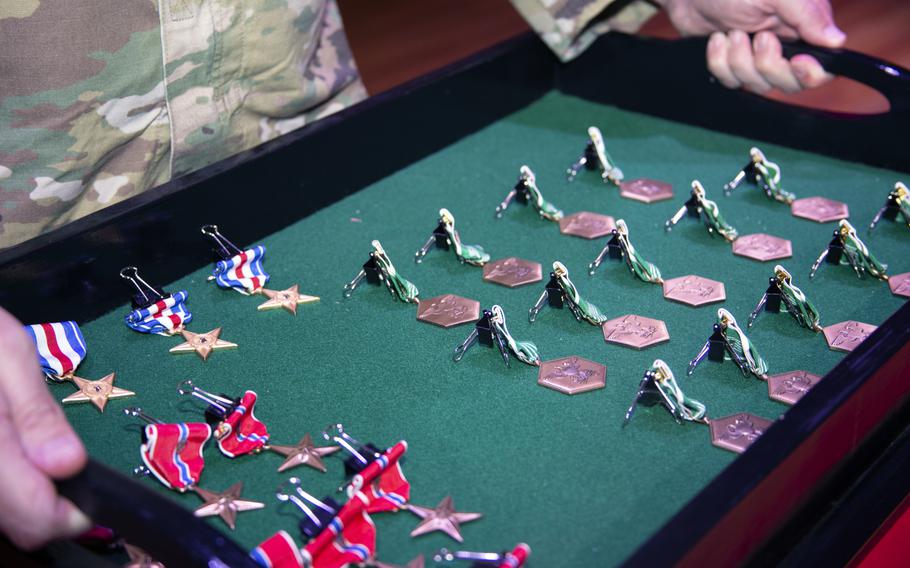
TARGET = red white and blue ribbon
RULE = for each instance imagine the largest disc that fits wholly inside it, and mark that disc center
(60, 347)
(382, 483)
(242, 272)
(163, 317)
(349, 539)
(241, 432)
(278, 551)
(517, 557)
(173, 452)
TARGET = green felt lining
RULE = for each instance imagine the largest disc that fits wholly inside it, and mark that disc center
(555, 471)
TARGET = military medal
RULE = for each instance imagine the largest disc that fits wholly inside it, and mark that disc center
(847, 335)
(595, 157)
(700, 207)
(445, 237)
(637, 332)
(790, 387)
(512, 272)
(782, 291)
(587, 225)
(560, 292)
(730, 341)
(847, 248)
(242, 271)
(157, 312)
(237, 430)
(763, 173)
(819, 209)
(620, 247)
(61, 348)
(448, 310)
(375, 475)
(490, 330)
(442, 518)
(379, 269)
(572, 375)
(525, 192)
(514, 558)
(896, 205)
(658, 386)
(762, 247)
(172, 453)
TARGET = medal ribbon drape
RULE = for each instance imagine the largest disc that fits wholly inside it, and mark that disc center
(173, 452)
(241, 432)
(278, 551)
(392, 491)
(164, 317)
(60, 346)
(358, 538)
(243, 272)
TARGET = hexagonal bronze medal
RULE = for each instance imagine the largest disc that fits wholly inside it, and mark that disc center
(512, 272)
(646, 190)
(846, 335)
(762, 247)
(572, 375)
(819, 209)
(791, 386)
(900, 284)
(694, 290)
(738, 431)
(586, 225)
(448, 310)
(637, 332)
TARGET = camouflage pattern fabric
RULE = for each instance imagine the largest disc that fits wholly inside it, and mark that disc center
(101, 100)
(569, 26)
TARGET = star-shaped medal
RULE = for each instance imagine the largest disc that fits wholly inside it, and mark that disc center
(225, 504)
(140, 558)
(202, 343)
(97, 392)
(304, 453)
(415, 563)
(287, 299)
(443, 518)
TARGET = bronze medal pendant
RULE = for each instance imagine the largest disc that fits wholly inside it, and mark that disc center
(847, 335)
(646, 190)
(448, 310)
(443, 518)
(790, 387)
(762, 247)
(572, 375)
(226, 504)
(587, 225)
(738, 431)
(900, 284)
(288, 299)
(202, 344)
(819, 209)
(694, 290)
(637, 332)
(513, 272)
(303, 453)
(97, 392)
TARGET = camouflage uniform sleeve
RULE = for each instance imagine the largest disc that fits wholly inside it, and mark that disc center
(568, 27)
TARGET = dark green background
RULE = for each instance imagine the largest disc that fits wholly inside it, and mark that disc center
(555, 471)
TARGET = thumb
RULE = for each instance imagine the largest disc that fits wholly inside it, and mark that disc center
(813, 20)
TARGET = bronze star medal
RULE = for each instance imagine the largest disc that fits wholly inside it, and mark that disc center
(304, 453)
(140, 558)
(225, 504)
(288, 299)
(97, 392)
(443, 518)
(202, 343)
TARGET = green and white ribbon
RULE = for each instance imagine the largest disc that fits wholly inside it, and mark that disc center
(472, 254)
(716, 221)
(805, 312)
(546, 209)
(403, 288)
(902, 197)
(860, 252)
(588, 311)
(640, 267)
(769, 172)
(686, 408)
(741, 345)
(526, 351)
(610, 170)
